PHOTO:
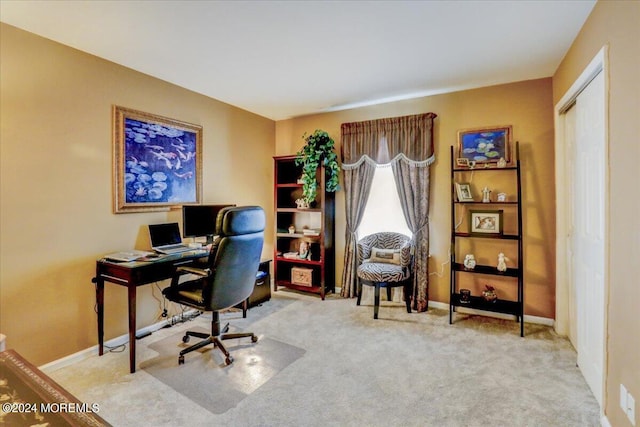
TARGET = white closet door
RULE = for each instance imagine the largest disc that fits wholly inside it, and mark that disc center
(570, 141)
(588, 237)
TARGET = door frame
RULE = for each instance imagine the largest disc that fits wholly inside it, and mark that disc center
(564, 201)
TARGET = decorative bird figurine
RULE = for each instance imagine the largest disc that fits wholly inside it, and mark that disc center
(502, 262)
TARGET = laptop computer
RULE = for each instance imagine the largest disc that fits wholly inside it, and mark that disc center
(165, 238)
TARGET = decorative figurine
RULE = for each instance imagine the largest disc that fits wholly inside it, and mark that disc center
(502, 163)
(292, 229)
(469, 261)
(486, 195)
(502, 262)
(303, 251)
(502, 197)
(472, 164)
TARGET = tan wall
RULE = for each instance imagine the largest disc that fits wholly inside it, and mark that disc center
(56, 164)
(617, 24)
(527, 106)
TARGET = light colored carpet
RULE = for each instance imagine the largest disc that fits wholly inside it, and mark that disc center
(400, 370)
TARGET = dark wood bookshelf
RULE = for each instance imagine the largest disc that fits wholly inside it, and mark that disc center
(320, 215)
(515, 308)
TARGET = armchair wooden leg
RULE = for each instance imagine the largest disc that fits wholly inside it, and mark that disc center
(358, 291)
(376, 301)
(407, 297)
(388, 293)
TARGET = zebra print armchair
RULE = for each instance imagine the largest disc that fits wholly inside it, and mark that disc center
(385, 261)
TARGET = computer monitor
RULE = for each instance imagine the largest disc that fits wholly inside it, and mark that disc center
(200, 220)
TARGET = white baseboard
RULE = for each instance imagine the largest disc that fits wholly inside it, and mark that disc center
(604, 421)
(527, 318)
(122, 339)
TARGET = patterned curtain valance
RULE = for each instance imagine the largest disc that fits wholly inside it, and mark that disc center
(385, 140)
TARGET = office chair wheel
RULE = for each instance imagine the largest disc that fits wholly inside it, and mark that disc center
(180, 360)
(254, 338)
(185, 339)
(228, 360)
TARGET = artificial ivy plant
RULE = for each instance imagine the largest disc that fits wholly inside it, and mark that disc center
(318, 150)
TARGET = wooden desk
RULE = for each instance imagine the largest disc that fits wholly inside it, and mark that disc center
(134, 274)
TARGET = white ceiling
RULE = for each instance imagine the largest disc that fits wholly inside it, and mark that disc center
(282, 59)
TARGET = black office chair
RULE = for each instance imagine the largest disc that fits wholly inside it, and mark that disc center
(229, 278)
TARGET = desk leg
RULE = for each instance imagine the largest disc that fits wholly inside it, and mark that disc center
(132, 328)
(100, 308)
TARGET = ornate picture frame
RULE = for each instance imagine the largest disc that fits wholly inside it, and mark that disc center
(485, 145)
(483, 222)
(157, 162)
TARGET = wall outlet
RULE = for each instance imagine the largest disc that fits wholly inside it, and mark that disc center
(628, 404)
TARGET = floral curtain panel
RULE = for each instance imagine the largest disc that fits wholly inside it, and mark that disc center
(407, 143)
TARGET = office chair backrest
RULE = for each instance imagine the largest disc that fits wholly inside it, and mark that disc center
(236, 262)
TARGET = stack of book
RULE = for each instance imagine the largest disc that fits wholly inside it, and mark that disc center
(290, 255)
(311, 232)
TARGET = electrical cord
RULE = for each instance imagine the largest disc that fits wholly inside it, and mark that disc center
(441, 273)
(164, 313)
(117, 349)
(455, 211)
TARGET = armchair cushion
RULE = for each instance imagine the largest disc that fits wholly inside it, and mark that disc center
(385, 240)
(389, 256)
(382, 272)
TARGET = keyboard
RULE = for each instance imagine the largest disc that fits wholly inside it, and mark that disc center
(173, 249)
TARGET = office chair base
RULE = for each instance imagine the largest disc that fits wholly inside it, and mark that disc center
(216, 341)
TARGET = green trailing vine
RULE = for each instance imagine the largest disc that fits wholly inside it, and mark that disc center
(318, 150)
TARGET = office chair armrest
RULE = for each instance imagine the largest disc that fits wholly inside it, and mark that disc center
(204, 272)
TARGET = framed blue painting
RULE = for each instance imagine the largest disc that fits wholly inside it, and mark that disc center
(157, 162)
(484, 145)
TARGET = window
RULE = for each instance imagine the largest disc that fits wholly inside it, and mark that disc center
(383, 211)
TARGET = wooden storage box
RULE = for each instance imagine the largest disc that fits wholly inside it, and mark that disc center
(301, 276)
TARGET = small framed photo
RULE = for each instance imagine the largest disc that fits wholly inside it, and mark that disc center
(463, 190)
(483, 222)
(485, 145)
(462, 162)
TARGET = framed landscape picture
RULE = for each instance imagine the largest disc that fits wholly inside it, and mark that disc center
(482, 222)
(485, 145)
(157, 162)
